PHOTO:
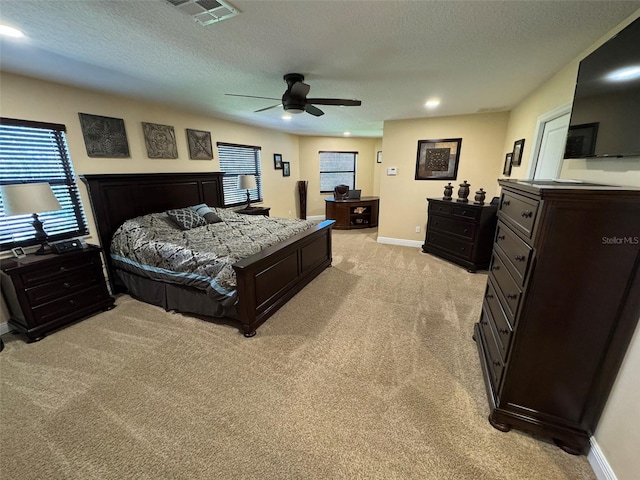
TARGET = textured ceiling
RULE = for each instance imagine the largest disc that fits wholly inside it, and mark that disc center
(392, 55)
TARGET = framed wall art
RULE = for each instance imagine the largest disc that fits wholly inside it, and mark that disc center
(518, 147)
(286, 169)
(277, 161)
(104, 137)
(438, 159)
(506, 170)
(160, 140)
(200, 147)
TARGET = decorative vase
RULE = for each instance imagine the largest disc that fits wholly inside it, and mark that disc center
(463, 192)
(448, 191)
(479, 198)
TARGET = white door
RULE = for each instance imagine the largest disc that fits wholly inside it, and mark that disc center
(551, 153)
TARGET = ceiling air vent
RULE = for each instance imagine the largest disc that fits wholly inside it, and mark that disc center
(206, 12)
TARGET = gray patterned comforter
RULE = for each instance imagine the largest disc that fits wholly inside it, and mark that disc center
(154, 247)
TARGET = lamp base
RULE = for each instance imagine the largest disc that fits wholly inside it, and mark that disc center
(41, 236)
(248, 207)
(44, 249)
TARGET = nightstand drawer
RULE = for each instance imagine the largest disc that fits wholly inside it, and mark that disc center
(451, 225)
(71, 304)
(77, 279)
(439, 207)
(56, 270)
(461, 210)
(452, 245)
(515, 250)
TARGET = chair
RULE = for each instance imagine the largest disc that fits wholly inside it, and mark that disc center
(341, 192)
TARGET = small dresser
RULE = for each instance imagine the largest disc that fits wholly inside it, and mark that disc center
(353, 213)
(460, 232)
(561, 304)
(46, 292)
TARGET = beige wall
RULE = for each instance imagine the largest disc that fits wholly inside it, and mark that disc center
(618, 432)
(403, 204)
(310, 166)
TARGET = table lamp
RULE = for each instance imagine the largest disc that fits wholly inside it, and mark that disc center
(31, 198)
(247, 182)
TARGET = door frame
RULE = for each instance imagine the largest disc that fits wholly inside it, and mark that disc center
(539, 132)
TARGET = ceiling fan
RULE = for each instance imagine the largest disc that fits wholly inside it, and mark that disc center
(294, 99)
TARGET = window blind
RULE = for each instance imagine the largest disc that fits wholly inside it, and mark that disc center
(337, 168)
(238, 160)
(34, 152)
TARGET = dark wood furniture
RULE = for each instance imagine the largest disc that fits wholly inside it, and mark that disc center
(255, 211)
(265, 281)
(460, 232)
(348, 214)
(561, 303)
(46, 292)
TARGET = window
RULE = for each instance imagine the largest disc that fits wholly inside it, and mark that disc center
(239, 160)
(37, 152)
(337, 168)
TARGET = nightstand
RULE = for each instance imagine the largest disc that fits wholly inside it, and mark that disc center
(255, 211)
(46, 292)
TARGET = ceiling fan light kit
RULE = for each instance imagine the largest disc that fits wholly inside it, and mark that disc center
(294, 99)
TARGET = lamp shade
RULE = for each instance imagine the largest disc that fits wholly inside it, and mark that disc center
(246, 182)
(28, 198)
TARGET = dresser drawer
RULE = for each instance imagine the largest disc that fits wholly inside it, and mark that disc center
(65, 306)
(441, 208)
(77, 279)
(491, 351)
(452, 225)
(57, 270)
(500, 322)
(520, 211)
(506, 285)
(450, 244)
(515, 250)
(464, 211)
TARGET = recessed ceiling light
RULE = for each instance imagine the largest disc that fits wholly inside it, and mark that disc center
(8, 31)
(432, 103)
(346, 134)
(624, 74)
(286, 116)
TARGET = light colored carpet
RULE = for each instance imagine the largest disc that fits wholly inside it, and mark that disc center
(370, 372)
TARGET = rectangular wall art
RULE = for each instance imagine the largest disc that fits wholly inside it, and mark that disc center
(104, 136)
(160, 140)
(438, 159)
(200, 147)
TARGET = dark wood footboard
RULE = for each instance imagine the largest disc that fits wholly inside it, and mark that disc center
(268, 279)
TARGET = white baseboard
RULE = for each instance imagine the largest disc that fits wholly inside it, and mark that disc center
(4, 328)
(599, 463)
(316, 217)
(400, 241)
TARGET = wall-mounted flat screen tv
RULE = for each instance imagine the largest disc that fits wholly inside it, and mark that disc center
(605, 119)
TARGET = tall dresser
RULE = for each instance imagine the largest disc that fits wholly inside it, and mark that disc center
(561, 304)
(460, 232)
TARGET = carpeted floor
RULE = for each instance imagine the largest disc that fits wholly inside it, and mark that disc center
(369, 373)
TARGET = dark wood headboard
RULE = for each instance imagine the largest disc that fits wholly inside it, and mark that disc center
(119, 197)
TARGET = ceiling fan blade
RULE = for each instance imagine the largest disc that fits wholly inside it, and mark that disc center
(315, 111)
(335, 101)
(299, 89)
(268, 108)
(249, 96)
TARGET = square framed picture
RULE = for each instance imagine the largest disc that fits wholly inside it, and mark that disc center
(518, 147)
(277, 161)
(104, 137)
(286, 169)
(200, 147)
(506, 170)
(18, 252)
(438, 159)
(160, 140)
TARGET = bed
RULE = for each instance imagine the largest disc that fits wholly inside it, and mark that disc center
(264, 281)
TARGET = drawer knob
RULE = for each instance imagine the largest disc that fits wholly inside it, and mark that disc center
(464, 212)
(496, 363)
(495, 267)
(484, 322)
(489, 295)
(503, 331)
(462, 249)
(66, 285)
(506, 203)
(62, 269)
(527, 214)
(501, 237)
(520, 258)
(512, 296)
(72, 302)
(466, 230)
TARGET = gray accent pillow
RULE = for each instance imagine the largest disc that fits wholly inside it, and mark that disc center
(186, 219)
(205, 211)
